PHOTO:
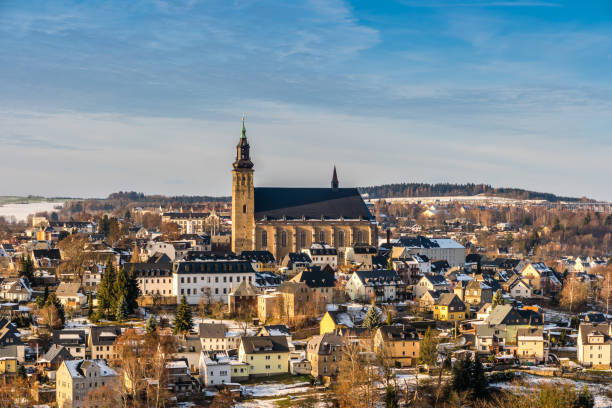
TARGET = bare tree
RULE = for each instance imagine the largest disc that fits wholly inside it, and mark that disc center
(574, 294)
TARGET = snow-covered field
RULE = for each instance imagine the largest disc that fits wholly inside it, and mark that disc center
(21, 211)
(276, 389)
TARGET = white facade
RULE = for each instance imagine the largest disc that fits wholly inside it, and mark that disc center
(214, 369)
(213, 278)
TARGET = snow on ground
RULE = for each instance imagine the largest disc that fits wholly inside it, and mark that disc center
(276, 389)
(600, 391)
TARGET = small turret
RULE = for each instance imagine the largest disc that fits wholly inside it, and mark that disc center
(334, 182)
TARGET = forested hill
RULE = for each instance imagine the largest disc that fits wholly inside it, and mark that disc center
(447, 189)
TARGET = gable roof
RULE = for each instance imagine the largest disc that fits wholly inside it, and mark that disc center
(264, 344)
(68, 289)
(310, 203)
(315, 278)
(378, 277)
(212, 330)
(508, 315)
(245, 288)
(450, 299)
(104, 335)
(398, 333)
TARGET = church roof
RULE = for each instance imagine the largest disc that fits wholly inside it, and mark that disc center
(310, 203)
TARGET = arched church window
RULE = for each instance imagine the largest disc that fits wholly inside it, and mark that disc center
(244, 208)
(340, 238)
(321, 236)
(303, 242)
(264, 238)
(359, 237)
(284, 239)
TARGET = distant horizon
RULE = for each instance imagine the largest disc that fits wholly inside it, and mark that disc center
(149, 95)
(69, 197)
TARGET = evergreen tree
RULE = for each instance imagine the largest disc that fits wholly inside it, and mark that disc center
(498, 299)
(391, 400)
(390, 263)
(151, 325)
(54, 301)
(372, 318)
(121, 311)
(183, 318)
(90, 308)
(133, 292)
(26, 268)
(428, 354)
(462, 373)
(105, 289)
(46, 295)
(120, 290)
(585, 399)
(479, 381)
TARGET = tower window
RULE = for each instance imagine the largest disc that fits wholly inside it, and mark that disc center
(322, 236)
(244, 208)
(284, 239)
(264, 239)
(340, 238)
(359, 237)
(303, 239)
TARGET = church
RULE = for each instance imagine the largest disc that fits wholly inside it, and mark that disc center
(288, 219)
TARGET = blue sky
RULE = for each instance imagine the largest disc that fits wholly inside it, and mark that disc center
(101, 96)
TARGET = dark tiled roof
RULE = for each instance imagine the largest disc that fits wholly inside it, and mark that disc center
(47, 253)
(396, 333)
(378, 277)
(149, 269)
(104, 335)
(418, 242)
(69, 337)
(265, 344)
(210, 266)
(365, 249)
(212, 330)
(257, 256)
(315, 278)
(450, 299)
(312, 203)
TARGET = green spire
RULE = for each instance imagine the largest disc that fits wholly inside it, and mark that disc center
(243, 136)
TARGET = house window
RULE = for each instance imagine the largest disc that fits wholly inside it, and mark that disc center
(264, 238)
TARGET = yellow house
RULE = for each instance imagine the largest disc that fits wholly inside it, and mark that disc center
(265, 355)
(8, 365)
(335, 320)
(449, 308)
(530, 345)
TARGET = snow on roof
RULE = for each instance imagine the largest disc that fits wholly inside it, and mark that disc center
(176, 364)
(74, 368)
(447, 243)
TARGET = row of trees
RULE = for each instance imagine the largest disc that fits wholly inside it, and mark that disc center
(118, 293)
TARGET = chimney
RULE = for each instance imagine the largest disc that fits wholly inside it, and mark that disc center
(388, 236)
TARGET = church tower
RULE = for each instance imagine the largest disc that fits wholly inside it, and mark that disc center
(243, 200)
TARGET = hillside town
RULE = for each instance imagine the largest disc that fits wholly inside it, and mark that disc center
(302, 297)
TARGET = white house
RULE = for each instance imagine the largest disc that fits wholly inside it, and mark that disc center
(215, 368)
(15, 290)
(595, 345)
(379, 284)
(210, 277)
(430, 282)
(76, 378)
(322, 254)
(216, 337)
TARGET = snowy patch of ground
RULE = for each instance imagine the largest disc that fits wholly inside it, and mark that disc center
(276, 389)
(599, 390)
